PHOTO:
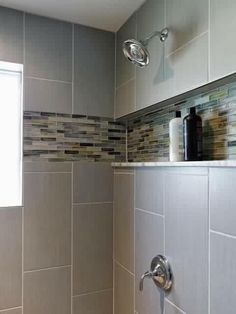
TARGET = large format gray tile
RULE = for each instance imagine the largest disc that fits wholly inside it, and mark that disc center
(11, 35)
(171, 309)
(47, 220)
(149, 241)
(184, 73)
(94, 66)
(124, 69)
(92, 248)
(222, 52)
(94, 303)
(47, 96)
(186, 20)
(223, 200)
(124, 219)
(93, 182)
(125, 99)
(186, 239)
(48, 48)
(124, 291)
(150, 17)
(48, 291)
(149, 190)
(11, 257)
(223, 274)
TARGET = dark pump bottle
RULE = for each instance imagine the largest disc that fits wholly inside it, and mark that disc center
(192, 132)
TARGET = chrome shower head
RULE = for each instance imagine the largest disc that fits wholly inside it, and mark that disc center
(136, 51)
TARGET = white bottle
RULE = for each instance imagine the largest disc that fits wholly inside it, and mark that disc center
(176, 137)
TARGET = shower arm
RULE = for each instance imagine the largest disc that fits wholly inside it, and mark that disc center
(162, 35)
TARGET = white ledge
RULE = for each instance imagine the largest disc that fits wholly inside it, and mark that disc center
(213, 163)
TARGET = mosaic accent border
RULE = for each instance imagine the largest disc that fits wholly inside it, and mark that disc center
(64, 137)
(148, 135)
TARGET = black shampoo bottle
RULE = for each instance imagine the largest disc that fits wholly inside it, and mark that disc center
(192, 132)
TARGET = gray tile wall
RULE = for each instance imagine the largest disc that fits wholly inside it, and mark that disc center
(92, 248)
(11, 258)
(171, 70)
(188, 215)
(67, 240)
(44, 244)
(94, 62)
(123, 255)
(67, 68)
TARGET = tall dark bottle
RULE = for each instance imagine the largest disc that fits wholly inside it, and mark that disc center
(192, 132)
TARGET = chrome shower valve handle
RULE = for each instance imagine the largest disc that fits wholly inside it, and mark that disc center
(160, 273)
(147, 274)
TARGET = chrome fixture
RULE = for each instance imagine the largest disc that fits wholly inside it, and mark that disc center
(136, 51)
(160, 273)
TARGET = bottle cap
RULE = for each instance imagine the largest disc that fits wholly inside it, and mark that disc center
(192, 110)
(178, 114)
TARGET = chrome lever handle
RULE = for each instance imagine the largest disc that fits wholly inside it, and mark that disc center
(147, 274)
(160, 273)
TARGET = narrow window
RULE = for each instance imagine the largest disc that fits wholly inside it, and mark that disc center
(11, 121)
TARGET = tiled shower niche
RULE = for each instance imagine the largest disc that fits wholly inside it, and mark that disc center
(148, 135)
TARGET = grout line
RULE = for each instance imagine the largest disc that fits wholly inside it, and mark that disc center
(164, 227)
(46, 172)
(92, 203)
(226, 235)
(209, 245)
(23, 253)
(125, 83)
(209, 39)
(92, 292)
(135, 68)
(24, 38)
(115, 64)
(48, 80)
(165, 14)
(113, 248)
(164, 212)
(46, 268)
(11, 308)
(126, 142)
(187, 44)
(134, 240)
(72, 168)
(72, 236)
(123, 267)
(11, 207)
(150, 213)
(175, 306)
(165, 51)
(73, 68)
(23, 180)
(23, 102)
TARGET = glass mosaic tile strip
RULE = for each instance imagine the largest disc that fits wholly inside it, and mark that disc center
(148, 135)
(58, 137)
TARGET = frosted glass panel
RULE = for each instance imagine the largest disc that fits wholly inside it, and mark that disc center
(10, 135)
